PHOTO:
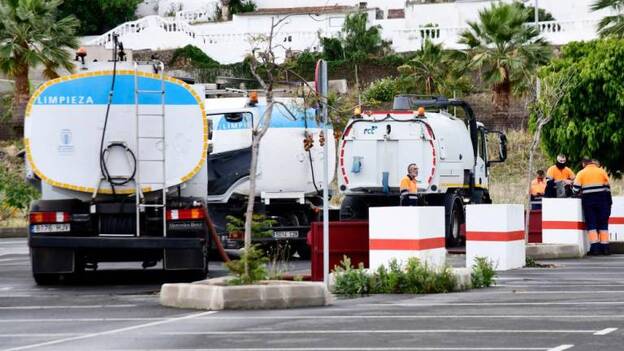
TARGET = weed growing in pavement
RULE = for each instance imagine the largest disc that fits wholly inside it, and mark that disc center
(531, 263)
(483, 273)
(412, 278)
(351, 281)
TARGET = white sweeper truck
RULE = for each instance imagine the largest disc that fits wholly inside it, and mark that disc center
(442, 137)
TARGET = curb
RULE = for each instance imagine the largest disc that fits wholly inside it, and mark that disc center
(18, 232)
(214, 294)
(552, 251)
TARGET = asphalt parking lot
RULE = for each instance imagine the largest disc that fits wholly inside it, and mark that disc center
(578, 305)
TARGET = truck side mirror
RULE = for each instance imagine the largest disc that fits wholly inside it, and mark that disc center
(502, 148)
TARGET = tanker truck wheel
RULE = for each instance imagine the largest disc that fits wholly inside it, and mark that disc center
(353, 207)
(454, 211)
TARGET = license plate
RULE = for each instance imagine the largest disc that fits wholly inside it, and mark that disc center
(50, 228)
(286, 234)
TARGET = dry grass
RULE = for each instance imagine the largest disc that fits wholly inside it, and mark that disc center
(508, 183)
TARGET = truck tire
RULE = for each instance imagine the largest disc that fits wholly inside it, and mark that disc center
(46, 278)
(353, 207)
(454, 218)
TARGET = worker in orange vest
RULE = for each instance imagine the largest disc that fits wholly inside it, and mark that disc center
(592, 183)
(409, 186)
(559, 174)
(538, 188)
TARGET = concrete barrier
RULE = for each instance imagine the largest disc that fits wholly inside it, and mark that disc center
(496, 232)
(616, 221)
(562, 223)
(403, 232)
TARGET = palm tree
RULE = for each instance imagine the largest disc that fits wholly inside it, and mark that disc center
(505, 50)
(436, 71)
(611, 25)
(31, 35)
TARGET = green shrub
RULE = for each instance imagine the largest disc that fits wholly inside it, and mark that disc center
(383, 90)
(350, 281)
(483, 273)
(413, 278)
(257, 267)
(194, 56)
(261, 227)
(15, 193)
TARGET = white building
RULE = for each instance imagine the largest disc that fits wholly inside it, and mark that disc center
(405, 23)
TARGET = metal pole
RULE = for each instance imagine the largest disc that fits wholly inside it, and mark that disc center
(536, 16)
(328, 139)
(537, 82)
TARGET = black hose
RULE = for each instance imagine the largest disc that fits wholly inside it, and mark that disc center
(213, 233)
(104, 151)
(103, 167)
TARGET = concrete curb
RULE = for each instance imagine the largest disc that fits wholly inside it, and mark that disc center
(18, 232)
(552, 251)
(214, 294)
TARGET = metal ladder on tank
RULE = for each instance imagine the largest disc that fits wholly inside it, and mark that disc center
(138, 92)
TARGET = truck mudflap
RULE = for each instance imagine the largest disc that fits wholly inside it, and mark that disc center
(114, 243)
(58, 255)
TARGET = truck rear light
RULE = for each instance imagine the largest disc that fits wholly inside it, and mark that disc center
(236, 235)
(185, 214)
(49, 217)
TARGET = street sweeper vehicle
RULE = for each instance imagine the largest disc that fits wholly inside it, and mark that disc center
(450, 149)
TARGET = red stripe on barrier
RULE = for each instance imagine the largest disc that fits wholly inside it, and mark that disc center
(616, 220)
(563, 225)
(495, 236)
(406, 244)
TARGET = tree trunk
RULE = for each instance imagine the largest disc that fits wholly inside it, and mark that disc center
(21, 96)
(257, 134)
(501, 96)
(225, 10)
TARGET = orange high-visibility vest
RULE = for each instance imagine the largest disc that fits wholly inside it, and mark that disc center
(559, 174)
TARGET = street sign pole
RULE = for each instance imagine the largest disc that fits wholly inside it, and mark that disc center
(321, 84)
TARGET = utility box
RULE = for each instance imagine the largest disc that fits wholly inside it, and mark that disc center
(563, 223)
(404, 232)
(496, 232)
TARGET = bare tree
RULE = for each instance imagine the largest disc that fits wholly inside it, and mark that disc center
(264, 57)
(547, 95)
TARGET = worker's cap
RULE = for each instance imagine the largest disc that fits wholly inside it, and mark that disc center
(561, 158)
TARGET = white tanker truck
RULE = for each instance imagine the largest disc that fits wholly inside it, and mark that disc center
(127, 170)
(289, 177)
(451, 153)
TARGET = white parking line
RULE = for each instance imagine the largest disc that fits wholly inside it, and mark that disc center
(570, 292)
(316, 317)
(38, 335)
(109, 332)
(561, 347)
(63, 307)
(376, 331)
(480, 304)
(368, 349)
(605, 331)
(539, 285)
(73, 320)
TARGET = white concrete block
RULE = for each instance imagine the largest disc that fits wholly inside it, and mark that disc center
(496, 232)
(562, 223)
(616, 221)
(403, 232)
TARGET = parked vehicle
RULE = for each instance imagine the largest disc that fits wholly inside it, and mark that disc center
(289, 176)
(450, 151)
(121, 160)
